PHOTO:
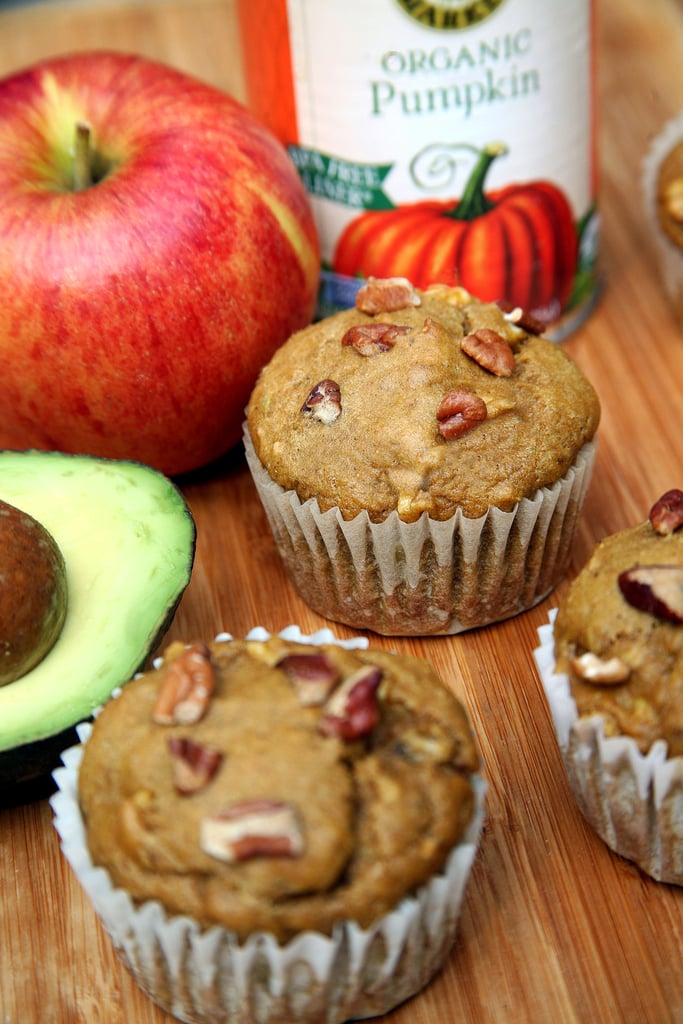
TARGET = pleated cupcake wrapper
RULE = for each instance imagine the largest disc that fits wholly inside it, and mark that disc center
(430, 576)
(634, 801)
(210, 977)
(670, 256)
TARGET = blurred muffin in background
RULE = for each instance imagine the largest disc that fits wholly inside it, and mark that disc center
(612, 668)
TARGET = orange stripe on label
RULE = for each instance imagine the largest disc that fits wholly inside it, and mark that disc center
(267, 63)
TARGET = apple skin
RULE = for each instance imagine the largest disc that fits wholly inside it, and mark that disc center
(135, 314)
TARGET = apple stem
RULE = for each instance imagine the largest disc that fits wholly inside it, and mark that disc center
(82, 154)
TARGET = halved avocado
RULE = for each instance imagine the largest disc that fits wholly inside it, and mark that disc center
(128, 541)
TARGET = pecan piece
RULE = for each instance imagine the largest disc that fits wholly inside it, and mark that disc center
(602, 671)
(353, 711)
(386, 295)
(666, 515)
(252, 828)
(490, 350)
(186, 687)
(656, 589)
(194, 765)
(521, 317)
(323, 401)
(371, 339)
(313, 675)
(458, 412)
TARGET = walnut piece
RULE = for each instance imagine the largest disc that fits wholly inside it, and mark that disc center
(666, 515)
(323, 402)
(459, 412)
(602, 671)
(194, 765)
(371, 339)
(313, 676)
(252, 828)
(490, 350)
(386, 295)
(186, 687)
(655, 589)
(353, 711)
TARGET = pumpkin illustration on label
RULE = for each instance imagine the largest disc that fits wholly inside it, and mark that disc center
(517, 244)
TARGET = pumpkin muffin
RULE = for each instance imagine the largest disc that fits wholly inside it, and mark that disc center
(422, 459)
(612, 666)
(264, 804)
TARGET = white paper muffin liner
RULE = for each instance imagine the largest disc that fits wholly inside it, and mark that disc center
(670, 256)
(426, 577)
(634, 801)
(210, 977)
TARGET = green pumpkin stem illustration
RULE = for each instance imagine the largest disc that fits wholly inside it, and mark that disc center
(473, 202)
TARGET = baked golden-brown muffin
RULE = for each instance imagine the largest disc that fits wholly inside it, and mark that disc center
(614, 674)
(421, 407)
(290, 796)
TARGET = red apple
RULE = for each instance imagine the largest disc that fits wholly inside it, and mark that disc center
(137, 309)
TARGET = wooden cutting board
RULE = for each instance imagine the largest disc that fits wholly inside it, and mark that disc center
(555, 927)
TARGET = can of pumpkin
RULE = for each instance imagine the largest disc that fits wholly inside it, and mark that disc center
(446, 141)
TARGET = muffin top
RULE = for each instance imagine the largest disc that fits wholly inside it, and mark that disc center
(619, 630)
(419, 401)
(272, 785)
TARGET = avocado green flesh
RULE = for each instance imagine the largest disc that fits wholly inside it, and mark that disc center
(128, 541)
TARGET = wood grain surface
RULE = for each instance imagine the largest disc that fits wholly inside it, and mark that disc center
(555, 927)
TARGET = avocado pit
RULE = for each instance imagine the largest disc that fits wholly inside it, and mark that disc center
(33, 592)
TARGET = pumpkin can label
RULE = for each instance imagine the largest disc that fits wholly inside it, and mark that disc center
(449, 141)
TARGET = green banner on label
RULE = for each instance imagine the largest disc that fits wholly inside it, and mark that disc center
(343, 181)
